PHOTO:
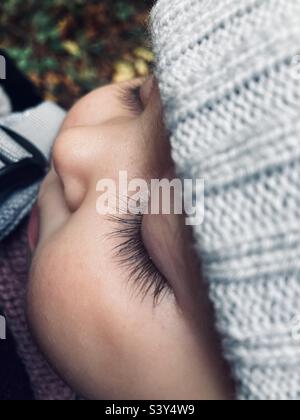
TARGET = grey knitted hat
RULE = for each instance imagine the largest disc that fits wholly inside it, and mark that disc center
(229, 74)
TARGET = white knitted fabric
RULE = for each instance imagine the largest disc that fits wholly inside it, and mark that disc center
(40, 126)
(229, 73)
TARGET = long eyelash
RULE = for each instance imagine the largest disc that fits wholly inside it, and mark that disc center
(131, 99)
(132, 254)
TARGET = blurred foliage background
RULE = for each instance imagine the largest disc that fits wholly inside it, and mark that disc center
(67, 48)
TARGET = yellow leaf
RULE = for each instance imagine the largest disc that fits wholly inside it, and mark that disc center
(144, 54)
(62, 24)
(141, 67)
(124, 71)
(71, 47)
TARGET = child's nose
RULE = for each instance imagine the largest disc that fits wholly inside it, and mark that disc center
(84, 155)
(76, 155)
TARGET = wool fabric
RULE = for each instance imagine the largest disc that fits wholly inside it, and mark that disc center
(229, 76)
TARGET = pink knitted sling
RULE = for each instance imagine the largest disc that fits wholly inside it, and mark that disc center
(14, 264)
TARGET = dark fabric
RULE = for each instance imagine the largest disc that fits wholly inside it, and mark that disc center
(14, 382)
(21, 91)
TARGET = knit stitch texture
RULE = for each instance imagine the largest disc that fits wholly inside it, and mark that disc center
(229, 77)
(14, 261)
(14, 267)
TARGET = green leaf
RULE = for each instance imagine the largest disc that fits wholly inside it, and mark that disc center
(123, 10)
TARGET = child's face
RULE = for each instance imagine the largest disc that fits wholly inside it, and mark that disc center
(94, 316)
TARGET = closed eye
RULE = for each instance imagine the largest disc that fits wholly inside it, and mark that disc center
(132, 254)
(131, 99)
